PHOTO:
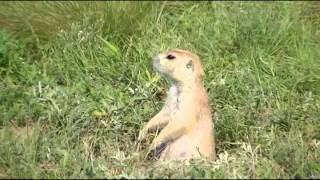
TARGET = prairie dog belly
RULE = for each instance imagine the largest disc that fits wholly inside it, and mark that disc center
(196, 143)
(181, 148)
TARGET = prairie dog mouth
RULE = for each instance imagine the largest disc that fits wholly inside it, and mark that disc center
(157, 65)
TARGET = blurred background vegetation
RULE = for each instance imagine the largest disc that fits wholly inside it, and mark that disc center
(76, 85)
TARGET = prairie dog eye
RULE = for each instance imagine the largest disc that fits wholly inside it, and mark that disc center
(170, 57)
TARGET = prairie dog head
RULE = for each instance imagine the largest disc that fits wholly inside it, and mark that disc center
(179, 65)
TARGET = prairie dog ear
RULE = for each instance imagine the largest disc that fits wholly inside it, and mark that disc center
(190, 65)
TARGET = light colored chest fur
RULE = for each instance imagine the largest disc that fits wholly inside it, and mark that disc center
(173, 101)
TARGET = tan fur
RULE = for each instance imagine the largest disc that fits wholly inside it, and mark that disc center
(186, 117)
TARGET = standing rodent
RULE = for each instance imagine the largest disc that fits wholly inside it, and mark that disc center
(186, 119)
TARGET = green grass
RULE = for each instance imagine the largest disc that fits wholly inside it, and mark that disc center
(76, 86)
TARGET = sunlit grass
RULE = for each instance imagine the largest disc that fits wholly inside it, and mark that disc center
(73, 106)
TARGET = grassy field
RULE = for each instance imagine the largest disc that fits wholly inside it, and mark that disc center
(76, 86)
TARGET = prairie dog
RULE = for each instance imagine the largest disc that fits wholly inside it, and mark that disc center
(185, 119)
